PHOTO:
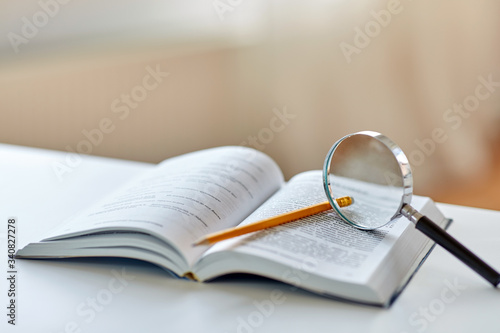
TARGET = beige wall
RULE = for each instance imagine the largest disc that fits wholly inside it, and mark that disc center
(427, 58)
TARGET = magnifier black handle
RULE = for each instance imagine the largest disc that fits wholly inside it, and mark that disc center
(441, 237)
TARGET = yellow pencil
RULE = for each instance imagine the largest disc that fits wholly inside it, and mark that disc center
(271, 222)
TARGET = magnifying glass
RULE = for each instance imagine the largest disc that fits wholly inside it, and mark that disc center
(373, 170)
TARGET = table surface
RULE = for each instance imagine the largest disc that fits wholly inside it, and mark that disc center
(40, 188)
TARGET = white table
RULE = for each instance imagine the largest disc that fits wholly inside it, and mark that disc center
(87, 296)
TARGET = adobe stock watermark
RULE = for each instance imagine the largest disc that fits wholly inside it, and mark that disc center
(429, 313)
(277, 124)
(267, 307)
(121, 107)
(90, 308)
(30, 26)
(222, 7)
(363, 36)
(453, 118)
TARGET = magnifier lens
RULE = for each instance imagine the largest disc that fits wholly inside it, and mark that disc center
(365, 167)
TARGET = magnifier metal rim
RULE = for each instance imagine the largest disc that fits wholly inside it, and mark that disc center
(404, 167)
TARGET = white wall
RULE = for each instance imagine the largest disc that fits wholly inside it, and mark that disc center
(228, 77)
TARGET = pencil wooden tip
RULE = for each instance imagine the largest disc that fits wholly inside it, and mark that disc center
(201, 241)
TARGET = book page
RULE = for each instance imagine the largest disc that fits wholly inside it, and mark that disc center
(185, 197)
(322, 244)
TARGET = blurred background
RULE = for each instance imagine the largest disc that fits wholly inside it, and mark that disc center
(148, 80)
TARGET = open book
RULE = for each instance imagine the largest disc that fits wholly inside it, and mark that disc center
(157, 217)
